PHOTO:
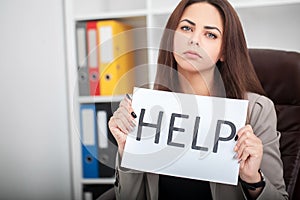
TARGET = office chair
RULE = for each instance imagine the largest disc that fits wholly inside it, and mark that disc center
(279, 74)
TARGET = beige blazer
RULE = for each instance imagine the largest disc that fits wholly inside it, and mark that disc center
(132, 184)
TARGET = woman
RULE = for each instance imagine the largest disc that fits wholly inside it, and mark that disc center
(206, 44)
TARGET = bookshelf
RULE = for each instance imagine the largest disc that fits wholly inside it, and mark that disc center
(148, 17)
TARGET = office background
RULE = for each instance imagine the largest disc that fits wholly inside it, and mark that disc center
(35, 161)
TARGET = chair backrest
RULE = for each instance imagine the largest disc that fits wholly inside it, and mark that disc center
(279, 73)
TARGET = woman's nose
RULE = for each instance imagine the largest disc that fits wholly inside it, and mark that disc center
(194, 40)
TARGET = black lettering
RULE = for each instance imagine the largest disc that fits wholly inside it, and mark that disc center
(157, 126)
(172, 128)
(217, 134)
(195, 136)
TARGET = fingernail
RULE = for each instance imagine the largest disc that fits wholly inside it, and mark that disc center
(128, 97)
(133, 114)
(236, 138)
(235, 156)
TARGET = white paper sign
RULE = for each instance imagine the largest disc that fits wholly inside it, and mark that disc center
(185, 135)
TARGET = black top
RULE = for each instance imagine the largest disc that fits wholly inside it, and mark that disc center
(171, 187)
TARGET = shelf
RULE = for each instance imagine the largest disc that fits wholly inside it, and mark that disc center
(100, 99)
(159, 6)
(260, 3)
(99, 181)
(235, 3)
(112, 15)
(162, 11)
(148, 19)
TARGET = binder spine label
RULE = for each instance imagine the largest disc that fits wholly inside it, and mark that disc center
(102, 129)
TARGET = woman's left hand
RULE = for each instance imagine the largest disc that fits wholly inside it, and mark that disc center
(249, 152)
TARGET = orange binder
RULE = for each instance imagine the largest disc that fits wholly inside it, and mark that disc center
(116, 58)
(93, 68)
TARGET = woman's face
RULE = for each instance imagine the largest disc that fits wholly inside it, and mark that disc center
(198, 38)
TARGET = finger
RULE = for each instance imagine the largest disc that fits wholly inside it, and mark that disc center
(119, 121)
(124, 114)
(254, 149)
(243, 130)
(113, 126)
(116, 132)
(126, 104)
(119, 136)
(246, 154)
(247, 127)
(123, 119)
(240, 151)
(128, 97)
(244, 143)
(250, 140)
(124, 126)
(243, 136)
(242, 164)
(253, 152)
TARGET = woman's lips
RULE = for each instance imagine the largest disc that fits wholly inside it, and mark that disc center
(192, 54)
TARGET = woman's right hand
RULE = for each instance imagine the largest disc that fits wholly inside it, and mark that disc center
(121, 123)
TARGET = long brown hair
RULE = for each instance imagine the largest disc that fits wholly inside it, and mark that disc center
(236, 70)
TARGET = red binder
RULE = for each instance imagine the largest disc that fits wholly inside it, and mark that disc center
(93, 68)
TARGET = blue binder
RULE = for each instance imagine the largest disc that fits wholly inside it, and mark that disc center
(89, 138)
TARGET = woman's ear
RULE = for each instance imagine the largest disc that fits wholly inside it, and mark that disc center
(222, 58)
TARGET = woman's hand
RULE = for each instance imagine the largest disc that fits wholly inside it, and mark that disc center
(121, 123)
(249, 149)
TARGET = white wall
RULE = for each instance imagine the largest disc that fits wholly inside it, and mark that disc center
(34, 143)
(275, 27)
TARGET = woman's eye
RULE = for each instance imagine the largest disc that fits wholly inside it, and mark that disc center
(211, 35)
(186, 28)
